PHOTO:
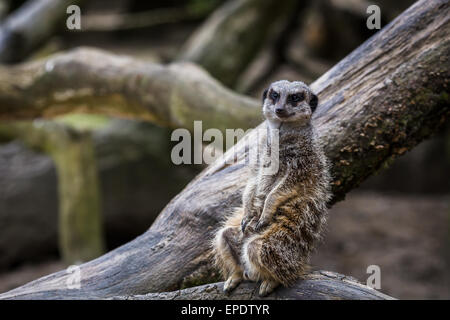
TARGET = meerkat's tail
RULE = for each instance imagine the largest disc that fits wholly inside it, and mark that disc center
(227, 244)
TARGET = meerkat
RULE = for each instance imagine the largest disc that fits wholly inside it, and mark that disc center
(270, 238)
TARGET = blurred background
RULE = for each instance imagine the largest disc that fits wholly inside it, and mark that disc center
(398, 219)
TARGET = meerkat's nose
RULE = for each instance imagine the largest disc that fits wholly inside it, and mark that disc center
(280, 112)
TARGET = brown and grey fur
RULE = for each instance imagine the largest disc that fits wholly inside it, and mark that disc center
(271, 237)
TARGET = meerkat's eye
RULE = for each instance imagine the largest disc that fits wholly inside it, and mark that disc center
(297, 97)
(274, 95)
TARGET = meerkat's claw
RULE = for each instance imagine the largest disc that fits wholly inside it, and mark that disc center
(261, 225)
(231, 283)
(244, 223)
(267, 287)
(249, 276)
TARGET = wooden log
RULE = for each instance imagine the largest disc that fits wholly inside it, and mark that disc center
(320, 285)
(377, 103)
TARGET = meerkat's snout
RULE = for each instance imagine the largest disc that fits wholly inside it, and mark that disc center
(281, 112)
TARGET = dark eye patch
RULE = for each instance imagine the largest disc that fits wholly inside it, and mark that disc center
(274, 95)
(313, 102)
(265, 95)
(296, 97)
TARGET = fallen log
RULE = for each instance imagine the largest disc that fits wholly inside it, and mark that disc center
(377, 103)
(320, 285)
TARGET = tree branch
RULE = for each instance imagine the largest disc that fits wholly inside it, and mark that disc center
(94, 81)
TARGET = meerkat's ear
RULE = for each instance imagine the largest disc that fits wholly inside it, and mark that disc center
(313, 102)
(265, 95)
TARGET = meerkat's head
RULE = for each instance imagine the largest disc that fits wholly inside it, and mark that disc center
(286, 101)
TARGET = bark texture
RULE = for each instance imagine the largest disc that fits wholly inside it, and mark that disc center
(321, 285)
(377, 103)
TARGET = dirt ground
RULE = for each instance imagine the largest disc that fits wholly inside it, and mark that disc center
(406, 236)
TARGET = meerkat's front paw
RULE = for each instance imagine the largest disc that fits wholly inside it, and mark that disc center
(267, 287)
(232, 282)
